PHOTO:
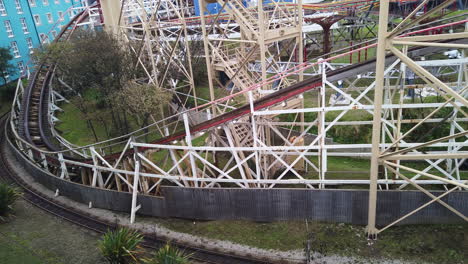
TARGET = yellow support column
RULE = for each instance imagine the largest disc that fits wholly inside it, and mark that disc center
(111, 13)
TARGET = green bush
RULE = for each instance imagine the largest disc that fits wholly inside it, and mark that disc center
(168, 255)
(120, 246)
(7, 91)
(8, 195)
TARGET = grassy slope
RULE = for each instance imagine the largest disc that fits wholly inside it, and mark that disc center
(277, 235)
(36, 237)
(74, 127)
(431, 243)
(5, 102)
(11, 252)
(4, 107)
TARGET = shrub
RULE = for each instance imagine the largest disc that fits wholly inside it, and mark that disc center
(7, 92)
(8, 195)
(120, 246)
(168, 255)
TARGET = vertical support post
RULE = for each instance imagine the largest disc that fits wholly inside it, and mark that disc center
(209, 67)
(97, 177)
(376, 125)
(255, 136)
(453, 123)
(136, 180)
(326, 38)
(187, 47)
(44, 161)
(300, 37)
(111, 13)
(236, 157)
(400, 110)
(30, 153)
(385, 127)
(261, 39)
(188, 140)
(321, 125)
(63, 167)
(300, 23)
(175, 161)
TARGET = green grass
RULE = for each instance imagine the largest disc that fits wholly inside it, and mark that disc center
(355, 57)
(203, 91)
(422, 243)
(455, 13)
(4, 107)
(14, 253)
(7, 93)
(345, 163)
(74, 127)
(277, 235)
(34, 236)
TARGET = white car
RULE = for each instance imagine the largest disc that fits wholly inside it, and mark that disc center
(453, 54)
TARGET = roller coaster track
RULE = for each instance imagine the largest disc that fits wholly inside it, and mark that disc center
(36, 100)
(263, 102)
(86, 220)
(35, 129)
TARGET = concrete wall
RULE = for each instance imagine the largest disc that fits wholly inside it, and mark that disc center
(344, 206)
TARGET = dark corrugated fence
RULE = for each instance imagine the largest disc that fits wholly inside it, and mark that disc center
(344, 206)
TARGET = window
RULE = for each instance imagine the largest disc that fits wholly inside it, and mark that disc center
(37, 19)
(60, 15)
(14, 47)
(32, 2)
(30, 45)
(67, 1)
(70, 14)
(50, 19)
(44, 38)
(54, 34)
(19, 9)
(24, 25)
(21, 67)
(57, 2)
(45, 2)
(8, 28)
(2, 9)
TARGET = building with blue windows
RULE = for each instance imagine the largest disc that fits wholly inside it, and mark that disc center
(214, 8)
(26, 24)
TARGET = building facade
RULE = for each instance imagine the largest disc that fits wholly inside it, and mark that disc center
(26, 24)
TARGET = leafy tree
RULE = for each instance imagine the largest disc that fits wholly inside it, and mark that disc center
(120, 246)
(5, 66)
(96, 65)
(8, 195)
(168, 255)
(130, 99)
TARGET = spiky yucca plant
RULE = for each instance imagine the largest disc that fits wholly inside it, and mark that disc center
(120, 246)
(8, 195)
(168, 255)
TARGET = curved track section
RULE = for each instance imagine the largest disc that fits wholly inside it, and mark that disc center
(32, 109)
(81, 219)
(33, 131)
(34, 124)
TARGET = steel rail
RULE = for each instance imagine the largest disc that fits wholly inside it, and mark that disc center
(86, 221)
(266, 101)
(271, 79)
